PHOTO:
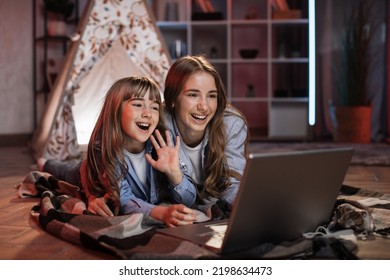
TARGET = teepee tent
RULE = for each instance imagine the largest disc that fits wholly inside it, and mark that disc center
(114, 39)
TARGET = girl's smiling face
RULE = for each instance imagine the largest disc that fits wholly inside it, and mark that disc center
(195, 107)
(140, 117)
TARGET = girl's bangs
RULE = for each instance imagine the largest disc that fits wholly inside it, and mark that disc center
(154, 95)
(139, 90)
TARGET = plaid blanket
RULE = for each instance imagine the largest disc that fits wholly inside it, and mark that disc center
(366, 212)
(62, 212)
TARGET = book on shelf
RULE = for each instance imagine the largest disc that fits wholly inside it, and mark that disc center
(205, 6)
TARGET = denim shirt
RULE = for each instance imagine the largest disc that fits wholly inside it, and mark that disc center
(135, 198)
(236, 133)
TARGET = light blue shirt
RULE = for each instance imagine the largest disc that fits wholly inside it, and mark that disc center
(236, 133)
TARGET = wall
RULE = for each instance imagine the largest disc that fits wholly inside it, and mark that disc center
(16, 82)
(16, 70)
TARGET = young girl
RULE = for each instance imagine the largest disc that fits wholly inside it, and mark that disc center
(117, 175)
(213, 135)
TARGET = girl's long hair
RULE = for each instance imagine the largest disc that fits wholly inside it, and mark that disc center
(105, 158)
(216, 170)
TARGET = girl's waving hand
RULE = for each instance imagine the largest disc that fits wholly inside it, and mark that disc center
(167, 156)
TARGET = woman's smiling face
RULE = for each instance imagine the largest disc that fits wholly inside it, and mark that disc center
(195, 107)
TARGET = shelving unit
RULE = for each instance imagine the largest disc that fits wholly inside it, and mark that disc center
(271, 88)
(49, 47)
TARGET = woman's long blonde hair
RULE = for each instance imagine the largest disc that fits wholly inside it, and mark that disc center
(217, 172)
(105, 159)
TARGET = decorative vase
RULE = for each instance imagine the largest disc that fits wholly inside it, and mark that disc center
(352, 124)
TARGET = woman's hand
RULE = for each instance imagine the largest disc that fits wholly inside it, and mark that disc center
(97, 205)
(173, 215)
(168, 157)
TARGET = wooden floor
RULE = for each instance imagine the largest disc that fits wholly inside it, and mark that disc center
(21, 238)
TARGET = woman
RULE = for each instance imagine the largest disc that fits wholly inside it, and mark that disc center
(213, 135)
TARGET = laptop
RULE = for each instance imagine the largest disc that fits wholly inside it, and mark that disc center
(281, 196)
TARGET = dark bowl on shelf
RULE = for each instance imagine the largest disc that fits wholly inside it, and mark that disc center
(248, 53)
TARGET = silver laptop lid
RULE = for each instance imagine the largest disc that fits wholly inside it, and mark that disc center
(283, 195)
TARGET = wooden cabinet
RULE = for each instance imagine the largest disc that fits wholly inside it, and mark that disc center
(269, 81)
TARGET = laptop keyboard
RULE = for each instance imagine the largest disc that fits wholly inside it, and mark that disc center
(214, 237)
